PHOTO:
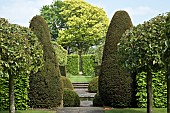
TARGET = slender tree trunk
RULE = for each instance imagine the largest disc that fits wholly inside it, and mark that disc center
(168, 86)
(11, 94)
(149, 91)
(80, 61)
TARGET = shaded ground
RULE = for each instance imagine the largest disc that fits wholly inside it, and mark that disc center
(80, 110)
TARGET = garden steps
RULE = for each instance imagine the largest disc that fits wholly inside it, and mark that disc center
(80, 85)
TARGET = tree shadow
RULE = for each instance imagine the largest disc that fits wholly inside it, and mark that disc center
(126, 110)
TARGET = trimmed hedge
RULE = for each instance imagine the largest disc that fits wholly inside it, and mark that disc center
(88, 65)
(61, 53)
(99, 54)
(115, 83)
(70, 98)
(67, 83)
(159, 86)
(97, 101)
(46, 87)
(93, 85)
(73, 64)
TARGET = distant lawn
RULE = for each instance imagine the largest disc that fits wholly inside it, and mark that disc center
(80, 78)
(31, 111)
(136, 110)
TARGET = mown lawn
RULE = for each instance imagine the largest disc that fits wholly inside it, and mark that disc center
(135, 110)
(80, 78)
(31, 111)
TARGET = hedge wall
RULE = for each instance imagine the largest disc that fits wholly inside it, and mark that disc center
(88, 65)
(73, 64)
(61, 53)
(159, 90)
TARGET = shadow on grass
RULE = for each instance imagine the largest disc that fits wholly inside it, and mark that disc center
(126, 110)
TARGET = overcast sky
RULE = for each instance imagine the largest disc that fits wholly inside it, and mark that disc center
(21, 11)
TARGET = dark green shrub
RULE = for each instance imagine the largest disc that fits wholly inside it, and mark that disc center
(20, 53)
(46, 88)
(70, 98)
(97, 101)
(115, 83)
(93, 85)
(73, 64)
(88, 65)
(67, 83)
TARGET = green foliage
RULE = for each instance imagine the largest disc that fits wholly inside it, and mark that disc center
(73, 64)
(20, 54)
(46, 87)
(70, 98)
(143, 46)
(99, 54)
(97, 101)
(159, 89)
(61, 53)
(115, 82)
(67, 83)
(76, 24)
(88, 65)
(93, 85)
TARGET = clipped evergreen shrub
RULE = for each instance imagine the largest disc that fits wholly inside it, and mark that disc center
(115, 83)
(97, 101)
(70, 98)
(88, 65)
(93, 85)
(73, 64)
(67, 83)
(46, 88)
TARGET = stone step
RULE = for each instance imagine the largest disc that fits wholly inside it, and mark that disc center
(80, 85)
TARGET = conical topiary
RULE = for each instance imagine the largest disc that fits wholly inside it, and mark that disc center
(46, 88)
(115, 82)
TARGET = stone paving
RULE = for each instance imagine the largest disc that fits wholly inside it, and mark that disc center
(80, 110)
(85, 97)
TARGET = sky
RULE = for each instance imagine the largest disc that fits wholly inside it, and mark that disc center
(21, 11)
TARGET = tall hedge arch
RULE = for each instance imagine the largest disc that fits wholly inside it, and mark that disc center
(115, 82)
(46, 88)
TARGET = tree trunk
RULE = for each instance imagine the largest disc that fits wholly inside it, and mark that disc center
(149, 91)
(80, 62)
(11, 94)
(168, 86)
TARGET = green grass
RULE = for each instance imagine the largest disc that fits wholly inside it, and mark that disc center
(135, 110)
(80, 78)
(31, 111)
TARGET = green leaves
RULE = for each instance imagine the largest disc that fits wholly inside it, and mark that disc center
(143, 45)
(77, 25)
(20, 54)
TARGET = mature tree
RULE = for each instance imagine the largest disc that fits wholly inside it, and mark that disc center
(20, 54)
(166, 59)
(79, 25)
(114, 81)
(142, 48)
(45, 86)
(51, 14)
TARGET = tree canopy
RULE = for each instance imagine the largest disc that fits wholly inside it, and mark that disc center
(20, 54)
(142, 49)
(76, 25)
